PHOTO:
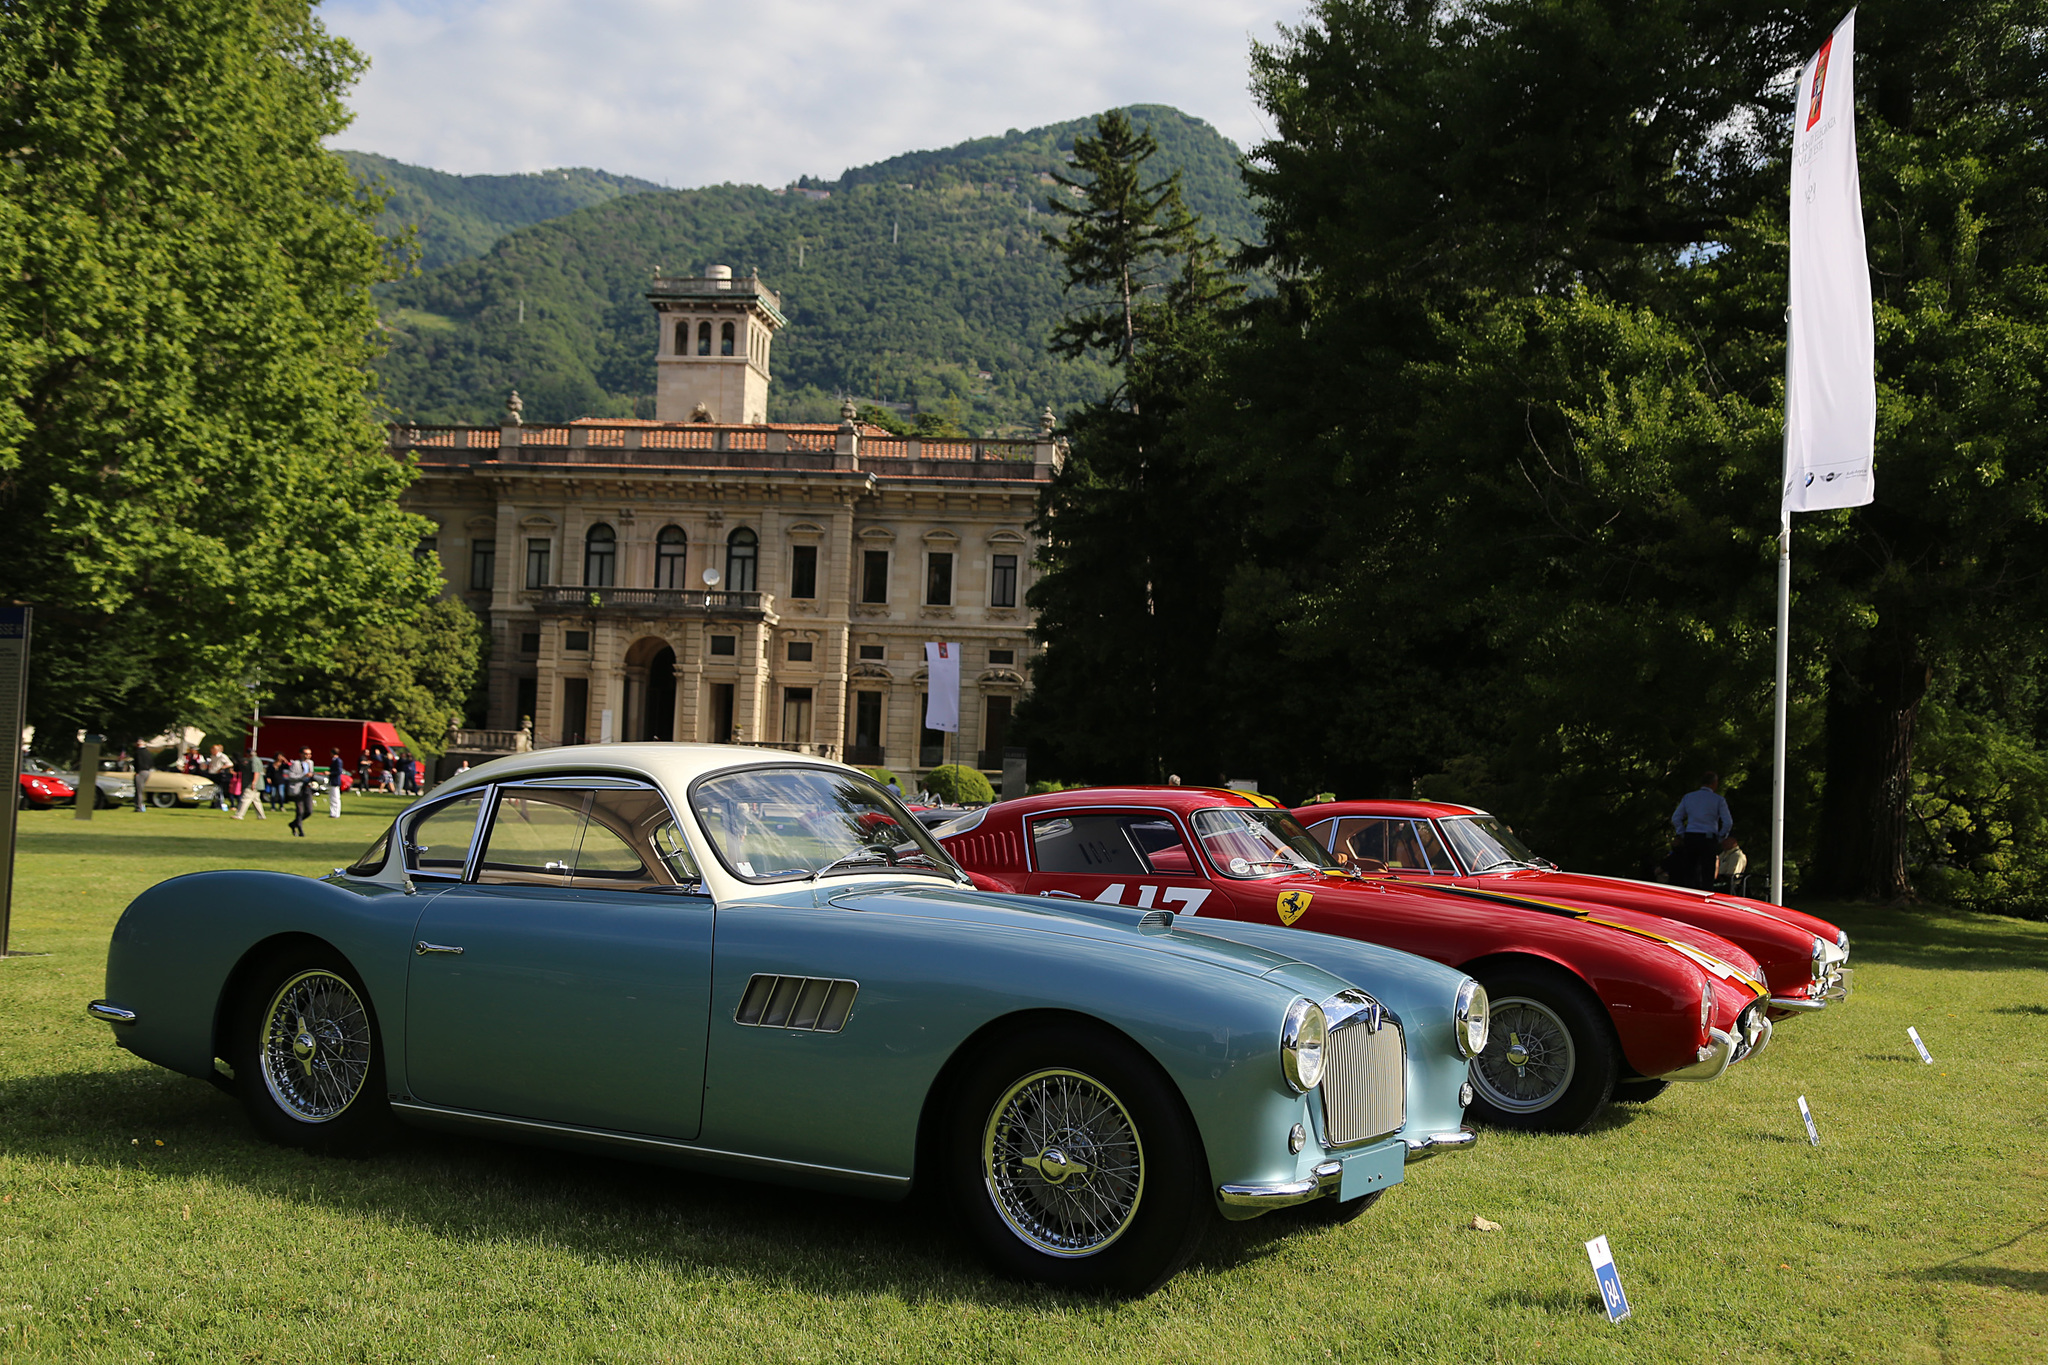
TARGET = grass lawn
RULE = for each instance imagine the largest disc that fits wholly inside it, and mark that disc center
(140, 1219)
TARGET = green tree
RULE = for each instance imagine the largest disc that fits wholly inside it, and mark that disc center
(415, 672)
(1508, 430)
(193, 485)
(1135, 542)
(1119, 240)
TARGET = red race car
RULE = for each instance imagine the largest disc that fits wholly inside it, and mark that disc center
(1588, 1005)
(40, 792)
(1802, 955)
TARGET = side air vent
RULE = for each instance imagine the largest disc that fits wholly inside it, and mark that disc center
(815, 1003)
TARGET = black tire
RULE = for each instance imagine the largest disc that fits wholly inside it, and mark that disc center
(1327, 1212)
(308, 1056)
(1551, 1056)
(163, 800)
(1638, 1092)
(1130, 1198)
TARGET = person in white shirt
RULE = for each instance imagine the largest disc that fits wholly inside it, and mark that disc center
(1702, 821)
(252, 787)
(218, 766)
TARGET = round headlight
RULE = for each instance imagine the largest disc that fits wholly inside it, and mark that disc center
(1471, 1013)
(1820, 958)
(1842, 942)
(1302, 1036)
(1706, 1003)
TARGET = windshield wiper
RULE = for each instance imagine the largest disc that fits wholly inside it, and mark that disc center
(859, 855)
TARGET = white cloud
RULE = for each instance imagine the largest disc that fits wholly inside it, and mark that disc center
(696, 93)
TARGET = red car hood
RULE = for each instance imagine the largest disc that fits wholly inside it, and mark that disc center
(1734, 917)
(1549, 901)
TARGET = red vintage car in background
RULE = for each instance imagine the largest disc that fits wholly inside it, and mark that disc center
(1803, 956)
(39, 791)
(1588, 1005)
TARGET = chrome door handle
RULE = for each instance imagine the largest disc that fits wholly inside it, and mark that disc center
(422, 948)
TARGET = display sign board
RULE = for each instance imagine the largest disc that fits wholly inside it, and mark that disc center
(14, 633)
(1812, 1133)
(1609, 1278)
(1920, 1047)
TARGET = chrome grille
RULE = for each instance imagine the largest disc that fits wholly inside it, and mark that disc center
(1365, 1082)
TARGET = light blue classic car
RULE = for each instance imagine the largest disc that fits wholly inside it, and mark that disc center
(760, 964)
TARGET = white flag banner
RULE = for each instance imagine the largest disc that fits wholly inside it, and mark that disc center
(942, 694)
(1830, 382)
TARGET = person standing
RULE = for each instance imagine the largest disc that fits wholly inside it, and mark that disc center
(220, 768)
(1702, 822)
(298, 786)
(252, 786)
(335, 768)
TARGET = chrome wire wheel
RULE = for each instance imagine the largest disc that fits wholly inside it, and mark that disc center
(315, 1046)
(1063, 1163)
(1530, 1058)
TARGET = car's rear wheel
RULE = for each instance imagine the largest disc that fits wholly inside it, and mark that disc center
(1551, 1057)
(163, 800)
(1074, 1162)
(307, 1055)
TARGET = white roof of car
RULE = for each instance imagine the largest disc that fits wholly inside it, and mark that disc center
(672, 766)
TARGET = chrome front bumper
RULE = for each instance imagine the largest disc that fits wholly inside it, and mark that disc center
(1328, 1176)
(109, 1013)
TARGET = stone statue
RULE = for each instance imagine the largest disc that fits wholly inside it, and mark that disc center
(513, 410)
(1046, 422)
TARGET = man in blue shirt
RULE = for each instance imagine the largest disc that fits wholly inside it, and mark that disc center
(1702, 822)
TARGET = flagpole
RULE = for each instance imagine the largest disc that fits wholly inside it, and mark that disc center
(1778, 717)
(1780, 705)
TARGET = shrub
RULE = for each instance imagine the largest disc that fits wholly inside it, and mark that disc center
(958, 785)
(1041, 788)
(882, 775)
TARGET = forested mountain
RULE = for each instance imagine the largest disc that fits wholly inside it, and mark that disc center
(921, 279)
(458, 217)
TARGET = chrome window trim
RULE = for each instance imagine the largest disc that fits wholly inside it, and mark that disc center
(413, 815)
(568, 782)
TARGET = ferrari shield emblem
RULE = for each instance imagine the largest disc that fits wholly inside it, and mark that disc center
(1293, 905)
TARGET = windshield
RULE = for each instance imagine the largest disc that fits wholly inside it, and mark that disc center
(1484, 842)
(1258, 843)
(781, 824)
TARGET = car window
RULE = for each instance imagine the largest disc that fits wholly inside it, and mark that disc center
(630, 842)
(1433, 847)
(1258, 843)
(1085, 844)
(778, 824)
(534, 838)
(438, 842)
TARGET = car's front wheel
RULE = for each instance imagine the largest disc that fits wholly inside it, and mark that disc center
(1074, 1162)
(308, 1059)
(163, 800)
(1551, 1056)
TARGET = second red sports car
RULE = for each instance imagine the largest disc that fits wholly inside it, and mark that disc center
(1803, 956)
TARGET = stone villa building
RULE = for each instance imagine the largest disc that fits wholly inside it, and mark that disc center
(710, 575)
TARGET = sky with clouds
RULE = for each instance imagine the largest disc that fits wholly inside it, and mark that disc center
(690, 92)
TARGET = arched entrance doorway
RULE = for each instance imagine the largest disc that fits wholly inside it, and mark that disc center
(661, 695)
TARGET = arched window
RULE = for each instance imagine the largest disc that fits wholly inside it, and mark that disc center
(600, 556)
(682, 338)
(703, 338)
(725, 339)
(671, 553)
(742, 553)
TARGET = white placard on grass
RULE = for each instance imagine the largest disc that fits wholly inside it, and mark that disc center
(1812, 1133)
(1609, 1279)
(1920, 1047)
